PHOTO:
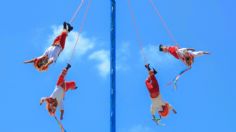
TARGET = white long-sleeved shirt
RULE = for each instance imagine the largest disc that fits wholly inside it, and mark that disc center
(59, 94)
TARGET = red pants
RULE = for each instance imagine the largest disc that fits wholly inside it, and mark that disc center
(152, 86)
(61, 39)
(173, 51)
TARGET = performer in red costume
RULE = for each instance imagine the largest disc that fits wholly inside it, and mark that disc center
(158, 104)
(57, 97)
(51, 54)
(186, 55)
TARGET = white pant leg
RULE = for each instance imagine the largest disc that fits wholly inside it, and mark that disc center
(46, 51)
(153, 109)
(53, 52)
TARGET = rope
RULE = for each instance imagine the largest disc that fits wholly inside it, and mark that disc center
(137, 32)
(163, 22)
(174, 81)
(76, 12)
(80, 30)
(60, 124)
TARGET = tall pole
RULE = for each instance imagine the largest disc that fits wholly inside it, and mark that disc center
(113, 68)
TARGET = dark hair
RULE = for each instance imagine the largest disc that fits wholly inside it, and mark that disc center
(42, 62)
(160, 47)
(190, 58)
(187, 58)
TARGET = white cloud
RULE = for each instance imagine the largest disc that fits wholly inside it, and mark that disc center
(151, 53)
(102, 56)
(123, 54)
(140, 128)
(83, 46)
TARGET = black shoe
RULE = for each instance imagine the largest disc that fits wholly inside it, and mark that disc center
(64, 25)
(68, 66)
(148, 67)
(70, 28)
(154, 71)
(67, 26)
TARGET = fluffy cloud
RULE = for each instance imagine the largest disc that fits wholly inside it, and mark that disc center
(150, 52)
(102, 56)
(123, 55)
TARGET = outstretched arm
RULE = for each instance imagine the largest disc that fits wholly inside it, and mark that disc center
(62, 109)
(62, 114)
(29, 61)
(200, 53)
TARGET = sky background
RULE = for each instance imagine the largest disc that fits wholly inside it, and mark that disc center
(205, 97)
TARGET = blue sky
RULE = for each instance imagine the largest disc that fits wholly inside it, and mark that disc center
(204, 100)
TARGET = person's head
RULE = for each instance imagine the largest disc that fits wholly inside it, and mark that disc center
(52, 107)
(189, 60)
(163, 48)
(40, 62)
